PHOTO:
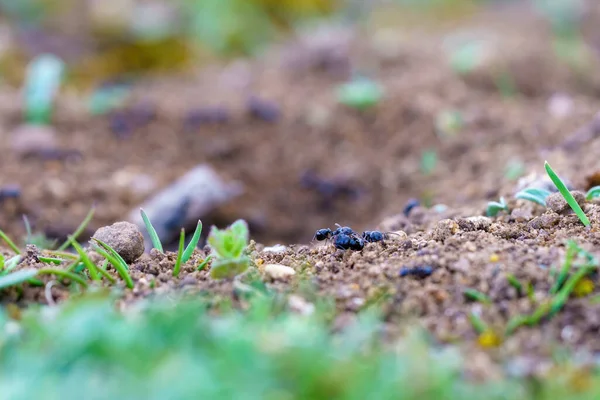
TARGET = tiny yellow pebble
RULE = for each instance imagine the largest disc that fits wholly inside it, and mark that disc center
(584, 287)
(488, 339)
(259, 261)
(494, 258)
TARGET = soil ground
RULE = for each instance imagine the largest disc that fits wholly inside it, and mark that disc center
(372, 162)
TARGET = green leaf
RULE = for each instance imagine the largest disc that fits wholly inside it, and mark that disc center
(226, 269)
(494, 207)
(17, 278)
(593, 193)
(562, 188)
(534, 194)
(360, 94)
(179, 253)
(476, 295)
(152, 232)
(189, 250)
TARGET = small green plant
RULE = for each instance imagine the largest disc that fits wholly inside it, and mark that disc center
(494, 207)
(228, 250)
(449, 123)
(593, 193)
(535, 195)
(107, 99)
(476, 295)
(428, 161)
(43, 79)
(562, 188)
(152, 232)
(360, 94)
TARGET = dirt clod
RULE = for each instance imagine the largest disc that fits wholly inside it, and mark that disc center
(557, 203)
(30, 139)
(124, 237)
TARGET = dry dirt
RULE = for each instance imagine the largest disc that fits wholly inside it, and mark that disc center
(370, 165)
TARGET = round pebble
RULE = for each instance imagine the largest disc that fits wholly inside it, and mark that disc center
(125, 238)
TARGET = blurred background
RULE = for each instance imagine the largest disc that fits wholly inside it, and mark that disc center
(302, 113)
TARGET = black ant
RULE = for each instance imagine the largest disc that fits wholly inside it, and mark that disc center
(419, 272)
(344, 238)
(376, 236)
(346, 242)
(323, 234)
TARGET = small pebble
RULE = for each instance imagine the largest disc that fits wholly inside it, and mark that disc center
(124, 237)
(279, 271)
(277, 249)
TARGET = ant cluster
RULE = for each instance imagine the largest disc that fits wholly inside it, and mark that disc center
(344, 238)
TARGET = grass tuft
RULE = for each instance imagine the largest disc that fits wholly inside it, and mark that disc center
(93, 270)
(17, 277)
(562, 188)
(152, 232)
(115, 259)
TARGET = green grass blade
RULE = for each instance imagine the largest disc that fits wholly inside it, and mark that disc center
(179, 253)
(204, 263)
(17, 277)
(64, 274)
(62, 254)
(562, 188)
(79, 229)
(11, 263)
(9, 242)
(152, 232)
(91, 267)
(514, 282)
(189, 250)
(476, 295)
(566, 268)
(477, 323)
(50, 260)
(2, 261)
(116, 260)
